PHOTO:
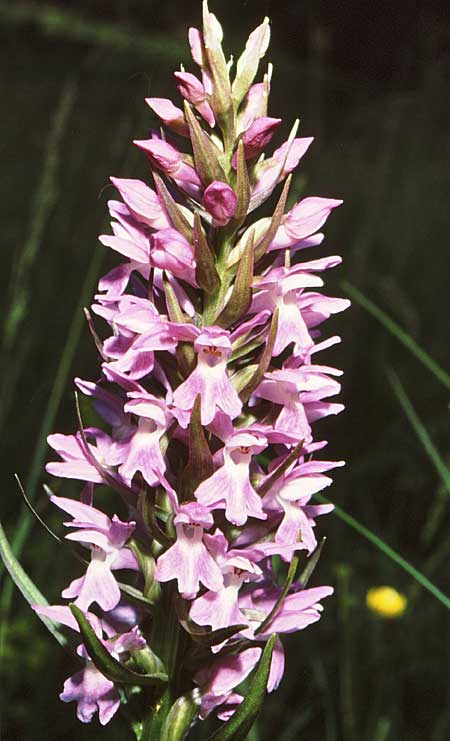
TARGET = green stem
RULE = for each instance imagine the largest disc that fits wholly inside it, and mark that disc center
(153, 724)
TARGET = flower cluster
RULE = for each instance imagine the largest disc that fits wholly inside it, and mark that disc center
(209, 388)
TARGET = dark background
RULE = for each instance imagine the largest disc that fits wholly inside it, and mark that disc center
(370, 82)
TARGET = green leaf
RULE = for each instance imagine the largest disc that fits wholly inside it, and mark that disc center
(106, 663)
(206, 273)
(241, 295)
(420, 430)
(239, 726)
(264, 243)
(180, 718)
(387, 551)
(175, 214)
(264, 361)
(398, 332)
(156, 717)
(205, 153)
(24, 584)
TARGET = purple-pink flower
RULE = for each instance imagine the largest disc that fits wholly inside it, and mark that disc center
(206, 460)
(209, 378)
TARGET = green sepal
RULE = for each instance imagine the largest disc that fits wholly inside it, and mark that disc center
(24, 584)
(242, 188)
(264, 361)
(106, 663)
(200, 463)
(175, 214)
(264, 243)
(248, 63)
(206, 273)
(180, 718)
(241, 295)
(205, 153)
(239, 726)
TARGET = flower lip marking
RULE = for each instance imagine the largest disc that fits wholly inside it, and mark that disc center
(213, 350)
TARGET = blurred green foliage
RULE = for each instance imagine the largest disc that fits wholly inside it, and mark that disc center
(73, 89)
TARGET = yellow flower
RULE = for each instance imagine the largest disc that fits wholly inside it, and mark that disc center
(386, 602)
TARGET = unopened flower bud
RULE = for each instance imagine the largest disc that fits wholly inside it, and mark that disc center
(193, 91)
(169, 114)
(169, 250)
(258, 136)
(220, 201)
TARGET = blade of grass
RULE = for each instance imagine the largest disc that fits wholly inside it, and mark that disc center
(23, 582)
(300, 723)
(44, 200)
(57, 22)
(420, 429)
(436, 515)
(387, 551)
(382, 730)
(397, 331)
(327, 700)
(438, 557)
(347, 698)
(59, 385)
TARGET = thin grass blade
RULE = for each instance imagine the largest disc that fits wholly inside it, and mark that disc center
(23, 582)
(387, 551)
(398, 332)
